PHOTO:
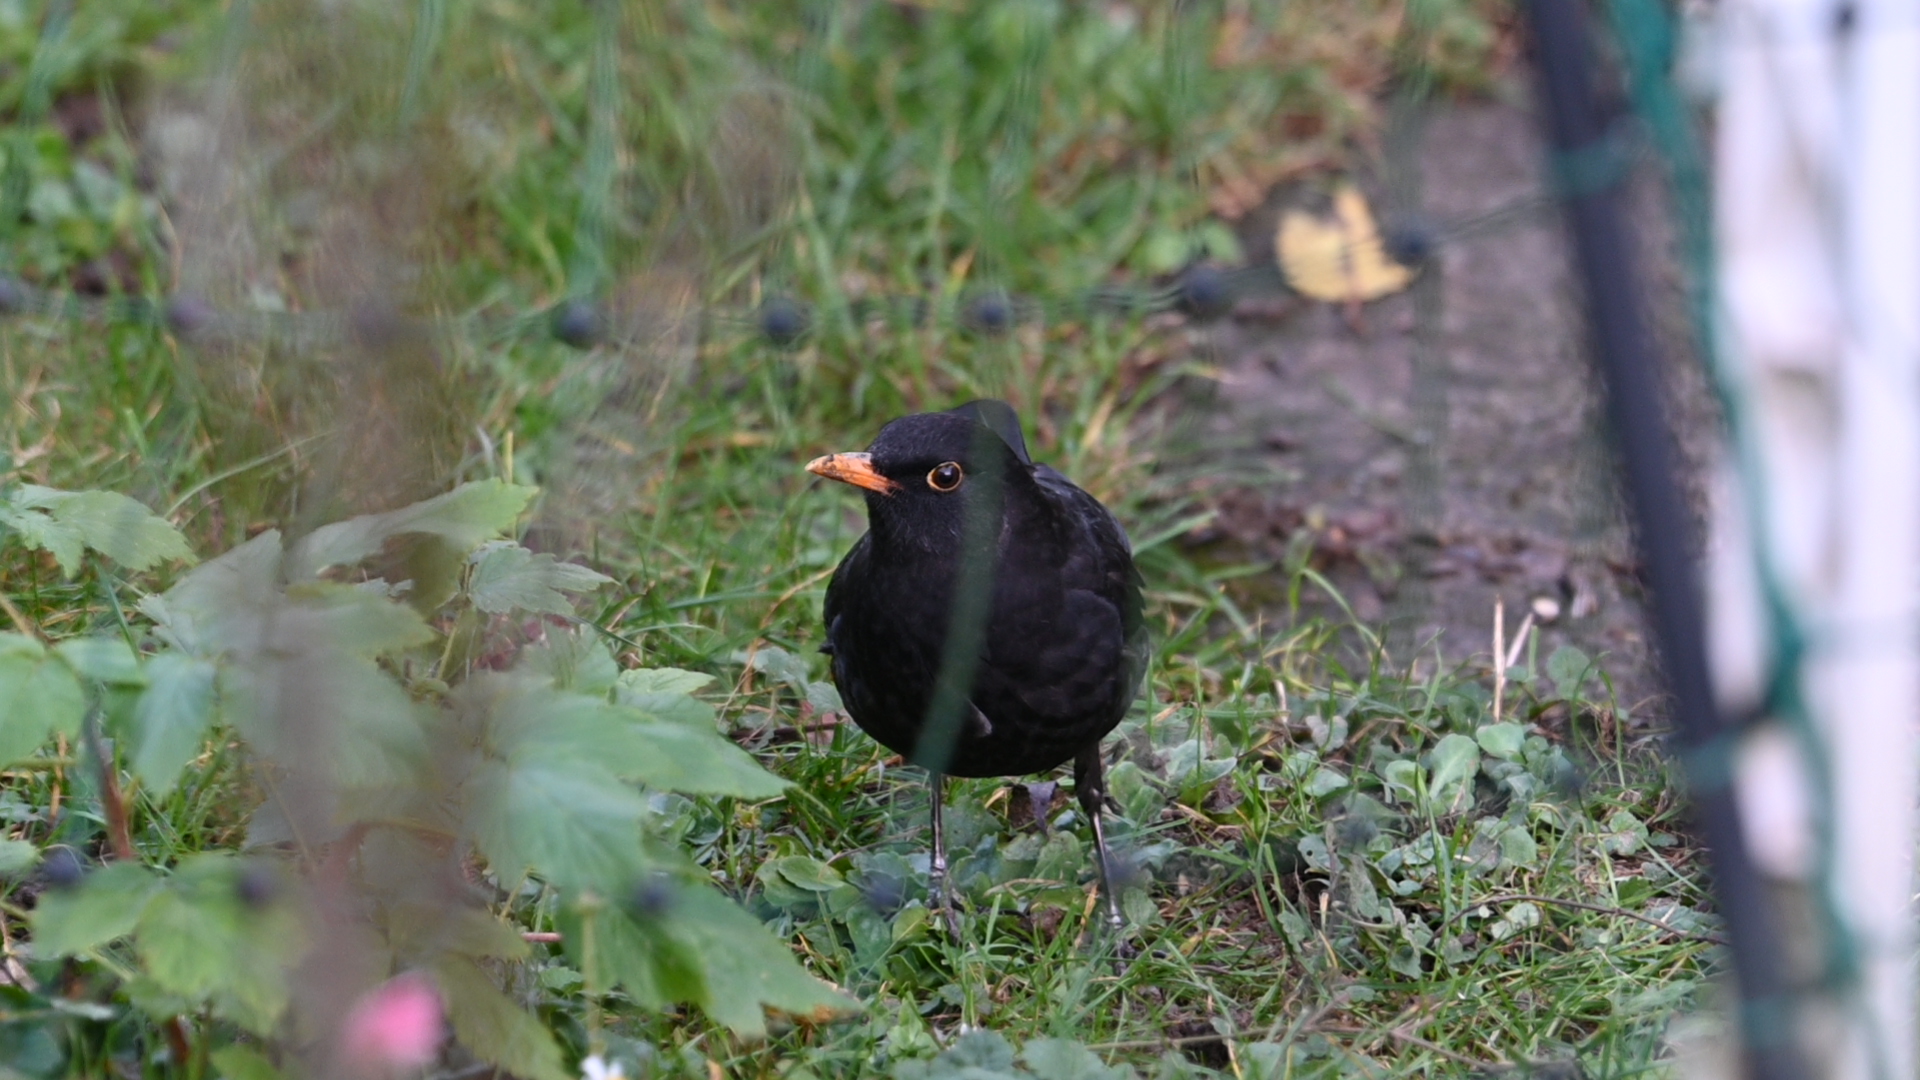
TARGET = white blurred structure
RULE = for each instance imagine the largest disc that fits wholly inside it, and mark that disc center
(1818, 218)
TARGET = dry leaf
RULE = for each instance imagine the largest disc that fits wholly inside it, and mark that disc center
(1338, 257)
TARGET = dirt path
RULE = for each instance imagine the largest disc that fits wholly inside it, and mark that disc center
(1515, 499)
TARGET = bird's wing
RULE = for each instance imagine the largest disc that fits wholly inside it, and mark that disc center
(1098, 612)
(851, 567)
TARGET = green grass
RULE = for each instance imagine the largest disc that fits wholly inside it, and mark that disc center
(1307, 907)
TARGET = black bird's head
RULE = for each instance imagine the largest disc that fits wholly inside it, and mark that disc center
(928, 475)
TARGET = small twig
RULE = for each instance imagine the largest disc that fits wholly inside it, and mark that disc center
(20, 620)
(1519, 641)
(119, 834)
(1499, 654)
(1601, 909)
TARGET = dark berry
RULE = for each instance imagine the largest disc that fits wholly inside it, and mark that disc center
(653, 896)
(577, 323)
(1203, 293)
(1410, 241)
(257, 885)
(188, 315)
(62, 868)
(784, 320)
(989, 313)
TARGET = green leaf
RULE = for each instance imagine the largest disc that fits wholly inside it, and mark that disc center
(218, 605)
(1502, 740)
(171, 719)
(575, 660)
(464, 517)
(804, 873)
(1454, 761)
(533, 722)
(1518, 847)
(490, 1025)
(199, 940)
(574, 822)
(646, 682)
(655, 968)
(1568, 668)
(102, 659)
(110, 523)
(329, 710)
(1064, 1059)
(39, 697)
(235, 1062)
(507, 577)
(1325, 781)
(746, 966)
(777, 664)
(675, 757)
(106, 905)
(666, 694)
(354, 618)
(17, 855)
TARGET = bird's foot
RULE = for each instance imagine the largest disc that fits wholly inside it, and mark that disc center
(940, 898)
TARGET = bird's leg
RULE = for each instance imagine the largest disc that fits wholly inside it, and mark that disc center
(937, 866)
(1090, 787)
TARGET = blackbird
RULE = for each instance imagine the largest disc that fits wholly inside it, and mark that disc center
(989, 622)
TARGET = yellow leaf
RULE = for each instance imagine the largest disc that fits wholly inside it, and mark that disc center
(1338, 257)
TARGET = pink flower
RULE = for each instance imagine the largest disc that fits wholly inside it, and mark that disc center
(396, 1025)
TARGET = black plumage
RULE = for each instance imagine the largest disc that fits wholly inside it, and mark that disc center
(989, 622)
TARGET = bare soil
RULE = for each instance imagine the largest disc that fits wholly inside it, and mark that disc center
(1440, 452)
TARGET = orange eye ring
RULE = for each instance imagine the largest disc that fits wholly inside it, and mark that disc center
(946, 476)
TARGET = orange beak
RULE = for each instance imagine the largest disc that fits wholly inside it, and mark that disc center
(855, 469)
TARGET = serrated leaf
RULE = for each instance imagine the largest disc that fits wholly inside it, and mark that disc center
(104, 906)
(642, 682)
(490, 1025)
(17, 855)
(170, 721)
(677, 757)
(534, 722)
(746, 967)
(464, 517)
(200, 940)
(110, 523)
(508, 577)
(323, 709)
(102, 659)
(574, 822)
(39, 697)
(41, 531)
(655, 968)
(575, 660)
(1454, 761)
(349, 617)
(777, 664)
(235, 1062)
(1502, 740)
(218, 605)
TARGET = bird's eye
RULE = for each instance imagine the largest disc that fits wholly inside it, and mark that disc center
(945, 476)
